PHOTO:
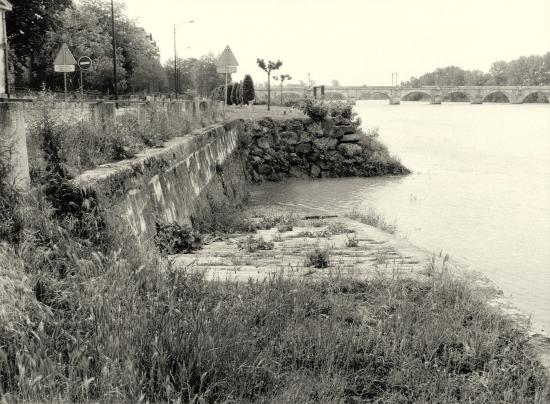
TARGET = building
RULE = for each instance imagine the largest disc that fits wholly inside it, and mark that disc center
(5, 6)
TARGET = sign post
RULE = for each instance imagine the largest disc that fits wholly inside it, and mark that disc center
(64, 63)
(84, 63)
(226, 63)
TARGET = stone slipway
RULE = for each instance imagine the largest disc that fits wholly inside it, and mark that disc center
(378, 253)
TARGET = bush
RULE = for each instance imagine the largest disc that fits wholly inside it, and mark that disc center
(316, 110)
(248, 89)
(235, 90)
(229, 100)
(174, 238)
(253, 244)
(352, 241)
(318, 258)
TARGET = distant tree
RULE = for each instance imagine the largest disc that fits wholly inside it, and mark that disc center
(335, 83)
(235, 94)
(229, 101)
(268, 68)
(282, 77)
(248, 89)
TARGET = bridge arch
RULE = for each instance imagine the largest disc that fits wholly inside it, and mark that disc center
(462, 96)
(406, 95)
(497, 96)
(531, 96)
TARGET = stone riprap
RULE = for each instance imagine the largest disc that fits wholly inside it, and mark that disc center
(301, 148)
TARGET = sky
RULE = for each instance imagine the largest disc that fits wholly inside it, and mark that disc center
(353, 41)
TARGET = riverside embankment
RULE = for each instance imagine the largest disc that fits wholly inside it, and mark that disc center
(96, 310)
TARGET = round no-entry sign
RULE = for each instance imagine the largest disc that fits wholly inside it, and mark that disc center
(85, 63)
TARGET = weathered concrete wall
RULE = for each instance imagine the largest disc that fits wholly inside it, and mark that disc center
(170, 184)
(13, 144)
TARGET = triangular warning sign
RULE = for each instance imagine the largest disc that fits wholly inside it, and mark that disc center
(64, 56)
(227, 58)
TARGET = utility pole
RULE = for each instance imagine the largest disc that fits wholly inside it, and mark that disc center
(392, 79)
(114, 50)
(175, 64)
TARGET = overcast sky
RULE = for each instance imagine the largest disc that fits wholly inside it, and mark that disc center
(354, 41)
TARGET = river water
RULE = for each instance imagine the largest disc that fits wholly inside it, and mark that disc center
(480, 190)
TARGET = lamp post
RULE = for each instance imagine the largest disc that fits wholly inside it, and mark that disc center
(115, 82)
(176, 84)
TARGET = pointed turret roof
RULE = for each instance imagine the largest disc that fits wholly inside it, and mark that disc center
(5, 5)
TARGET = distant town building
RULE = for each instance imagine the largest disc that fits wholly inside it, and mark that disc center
(4, 7)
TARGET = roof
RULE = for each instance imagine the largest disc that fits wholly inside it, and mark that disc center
(5, 5)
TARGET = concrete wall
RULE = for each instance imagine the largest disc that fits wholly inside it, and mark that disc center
(170, 184)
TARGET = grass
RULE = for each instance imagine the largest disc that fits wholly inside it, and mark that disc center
(318, 258)
(374, 219)
(253, 244)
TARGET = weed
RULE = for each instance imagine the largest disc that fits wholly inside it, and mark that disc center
(338, 228)
(318, 258)
(253, 244)
(352, 241)
(174, 238)
(374, 219)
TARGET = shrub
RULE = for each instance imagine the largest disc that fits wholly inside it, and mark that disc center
(235, 94)
(229, 100)
(252, 244)
(174, 238)
(316, 110)
(338, 228)
(352, 241)
(11, 219)
(341, 108)
(248, 89)
(318, 258)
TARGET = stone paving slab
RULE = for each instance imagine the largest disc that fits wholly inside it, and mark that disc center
(377, 252)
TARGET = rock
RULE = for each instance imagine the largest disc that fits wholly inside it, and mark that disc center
(325, 143)
(325, 174)
(315, 171)
(294, 125)
(350, 149)
(265, 169)
(336, 133)
(297, 172)
(256, 151)
(353, 138)
(257, 160)
(333, 156)
(346, 129)
(303, 148)
(305, 137)
(265, 142)
(290, 138)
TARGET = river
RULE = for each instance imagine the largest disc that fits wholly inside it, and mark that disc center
(480, 189)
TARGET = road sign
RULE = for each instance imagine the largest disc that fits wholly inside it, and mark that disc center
(64, 56)
(227, 58)
(64, 68)
(85, 63)
(227, 69)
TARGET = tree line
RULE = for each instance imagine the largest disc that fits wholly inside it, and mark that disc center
(531, 70)
(37, 29)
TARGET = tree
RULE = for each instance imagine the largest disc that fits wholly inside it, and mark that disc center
(282, 77)
(235, 94)
(27, 27)
(268, 68)
(248, 89)
(228, 101)
(335, 83)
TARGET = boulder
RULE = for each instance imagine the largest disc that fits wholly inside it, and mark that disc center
(265, 169)
(325, 143)
(305, 137)
(315, 171)
(256, 151)
(352, 138)
(265, 142)
(303, 148)
(349, 149)
(290, 138)
(297, 172)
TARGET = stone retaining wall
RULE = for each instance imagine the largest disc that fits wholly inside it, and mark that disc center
(300, 148)
(172, 183)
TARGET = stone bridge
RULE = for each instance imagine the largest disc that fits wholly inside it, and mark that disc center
(436, 94)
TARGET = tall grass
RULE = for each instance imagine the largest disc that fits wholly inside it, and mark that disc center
(374, 219)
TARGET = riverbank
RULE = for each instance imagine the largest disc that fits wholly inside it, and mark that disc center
(92, 312)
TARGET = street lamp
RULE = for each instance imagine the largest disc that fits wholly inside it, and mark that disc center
(176, 56)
